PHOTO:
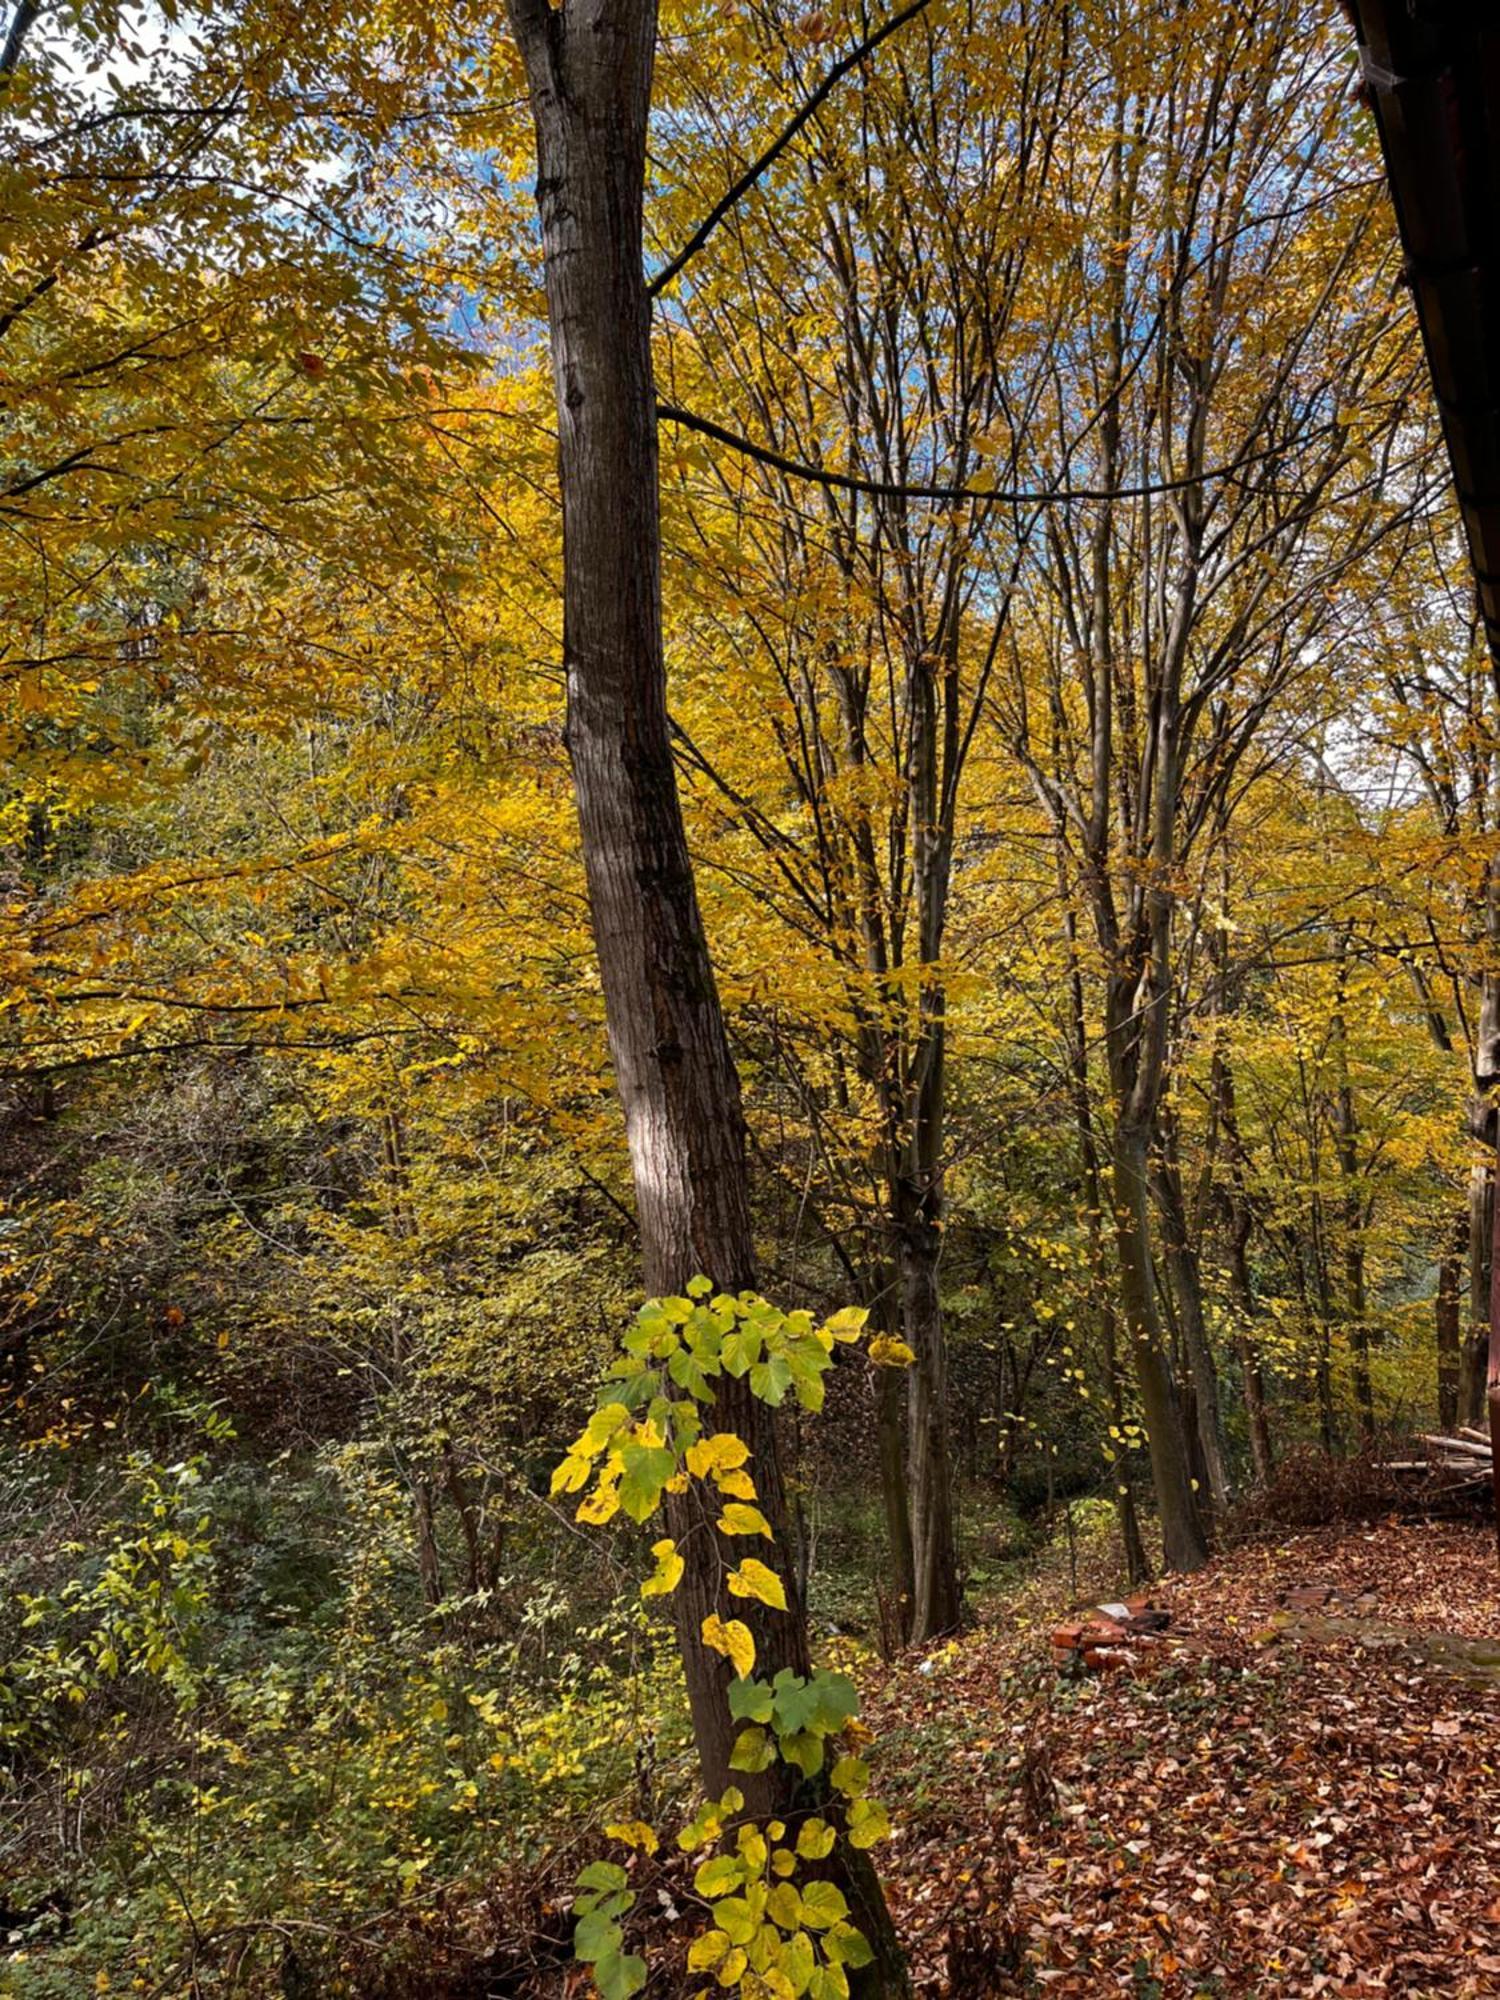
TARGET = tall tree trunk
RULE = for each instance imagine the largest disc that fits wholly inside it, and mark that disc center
(1251, 1373)
(1184, 1543)
(1328, 1428)
(1186, 1280)
(1137, 1567)
(1474, 1356)
(1448, 1325)
(1241, 1291)
(936, 1603)
(589, 67)
(889, 1395)
(1346, 1143)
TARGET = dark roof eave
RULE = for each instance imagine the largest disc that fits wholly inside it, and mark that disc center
(1432, 70)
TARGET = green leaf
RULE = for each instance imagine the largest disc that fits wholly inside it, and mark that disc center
(686, 1371)
(749, 1701)
(648, 1467)
(803, 1749)
(784, 1906)
(770, 1380)
(836, 1698)
(795, 1700)
(798, 1960)
(603, 1875)
(595, 1936)
(617, 1976)
(847, 1946)
(736, 1919)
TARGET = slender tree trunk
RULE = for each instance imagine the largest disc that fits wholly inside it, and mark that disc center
(1242, 1292)
(1186, 1280)
(1355, 1302)
(889, 1395)
(1137, 1563)
(1184, 1543)
(1328, 1428)
(429, 1563)
(589, 67)
(1474, 1356)
(1448, 1325)
(1137, 1567)
(1261, 1455)
(936, 1603)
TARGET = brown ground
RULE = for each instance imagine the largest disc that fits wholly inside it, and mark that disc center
(1272, 1805)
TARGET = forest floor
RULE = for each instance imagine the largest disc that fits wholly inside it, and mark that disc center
(1277, 1801)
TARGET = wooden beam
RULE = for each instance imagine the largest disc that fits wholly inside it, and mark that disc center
(1432, 73)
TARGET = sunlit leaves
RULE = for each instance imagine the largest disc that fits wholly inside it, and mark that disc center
(753, 1579)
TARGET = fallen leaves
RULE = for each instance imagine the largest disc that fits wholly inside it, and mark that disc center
(1316, 1815)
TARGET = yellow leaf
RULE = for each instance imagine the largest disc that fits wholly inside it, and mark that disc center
(753, 1579)
(705, 1952)
(732, 1639)
(737, 1485)
(572, 1473)
(601, 1505)
(888, 1352)
(738, 1519)
(668, 1572)
(713, 1455)
(634, 1833)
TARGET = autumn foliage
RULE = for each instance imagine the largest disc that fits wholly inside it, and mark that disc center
(854, 709)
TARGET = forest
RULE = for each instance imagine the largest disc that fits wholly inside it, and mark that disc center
(749, 1003)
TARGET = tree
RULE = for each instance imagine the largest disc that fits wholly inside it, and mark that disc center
(880, 581)
(589, 67)
(1194, 602)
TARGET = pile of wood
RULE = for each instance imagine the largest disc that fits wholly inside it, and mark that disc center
(1109, 1636)
(1460, 1463)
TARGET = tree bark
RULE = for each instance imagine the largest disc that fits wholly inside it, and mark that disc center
(1476, 1341)
(1346, 1144)
(1186, 1281)
(893, 1492)
(1241, 1291)
(1448, 1326)
(1184, 1543)
(937, 1606)
(589, 68)
(1261, 1455)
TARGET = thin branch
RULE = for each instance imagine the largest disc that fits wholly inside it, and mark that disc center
(778, 146)
(883, 489)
